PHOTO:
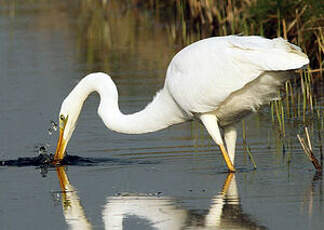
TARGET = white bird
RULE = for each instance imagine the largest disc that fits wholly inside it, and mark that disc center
(217, 80)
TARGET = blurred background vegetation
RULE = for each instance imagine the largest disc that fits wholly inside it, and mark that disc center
(299, 21)
(185, 21)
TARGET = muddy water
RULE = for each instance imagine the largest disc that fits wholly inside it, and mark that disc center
(171, 179)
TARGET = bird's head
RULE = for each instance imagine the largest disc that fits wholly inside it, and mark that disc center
(68, 117)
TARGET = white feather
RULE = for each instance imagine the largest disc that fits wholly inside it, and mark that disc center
(204, 73)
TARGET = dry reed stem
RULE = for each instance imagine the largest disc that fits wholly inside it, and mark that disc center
(308, 151)
(246, 146)
(308, 139)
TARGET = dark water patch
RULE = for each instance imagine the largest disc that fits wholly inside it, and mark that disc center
(45, 160)
(42, 159)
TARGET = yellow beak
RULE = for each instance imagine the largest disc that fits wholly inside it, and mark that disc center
(61, 143)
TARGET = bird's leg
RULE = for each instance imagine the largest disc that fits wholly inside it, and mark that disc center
(230, 134)
(210, 122)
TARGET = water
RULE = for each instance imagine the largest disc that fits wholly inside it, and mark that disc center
(171, 179)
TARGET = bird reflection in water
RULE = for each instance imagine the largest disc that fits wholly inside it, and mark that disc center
(73, 211)
(161, 212)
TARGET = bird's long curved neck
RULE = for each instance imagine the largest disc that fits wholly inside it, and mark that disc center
(159, 114)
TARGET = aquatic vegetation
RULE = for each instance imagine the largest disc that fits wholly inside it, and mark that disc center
(307, 147)
(246, 145)
(301, 22)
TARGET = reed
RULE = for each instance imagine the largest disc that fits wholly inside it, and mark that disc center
(307, 147)
(301, 22)
(246, 145)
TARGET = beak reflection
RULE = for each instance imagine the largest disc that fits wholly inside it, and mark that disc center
(161, 212)
(72, 209)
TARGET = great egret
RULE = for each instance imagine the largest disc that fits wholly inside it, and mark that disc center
(217, 80)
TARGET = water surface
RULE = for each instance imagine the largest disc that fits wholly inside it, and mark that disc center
(171, 179)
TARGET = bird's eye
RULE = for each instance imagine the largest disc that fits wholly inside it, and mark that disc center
(62, 117)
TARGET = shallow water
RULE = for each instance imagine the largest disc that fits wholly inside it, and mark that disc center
(171, 179)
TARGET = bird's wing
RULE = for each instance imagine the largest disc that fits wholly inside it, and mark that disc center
(266, 54)
(204, 73)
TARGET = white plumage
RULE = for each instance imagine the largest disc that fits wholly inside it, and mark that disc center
(217, 80)
(204, 73)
